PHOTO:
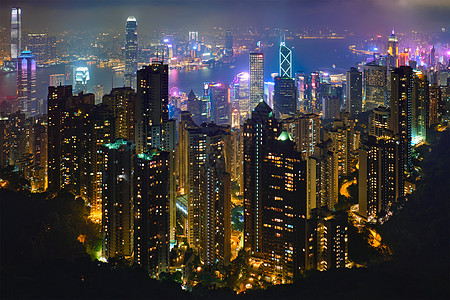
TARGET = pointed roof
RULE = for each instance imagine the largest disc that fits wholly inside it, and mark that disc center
(262, 111)
(284, 136)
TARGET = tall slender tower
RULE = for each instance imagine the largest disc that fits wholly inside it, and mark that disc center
(354, 91)
(131, 52)
(26, 84)
(256, 79)
(285, 59)
(16, 32)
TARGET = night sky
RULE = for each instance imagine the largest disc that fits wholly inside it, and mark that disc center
(361, 16)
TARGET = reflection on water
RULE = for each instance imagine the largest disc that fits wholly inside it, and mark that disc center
(308, 56)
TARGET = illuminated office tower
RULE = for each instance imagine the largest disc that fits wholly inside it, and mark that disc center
(419, 108)
(81, 79)
(152, 105)
(193, 36)
(121, 103)
(403, 59)
(327, 236)
(117, 202)
(151, 211)
(393, 50)
(228, 44)
(285, 60)
(37, 44)
(215, 216)
(284, 97)
(354, 92)
(331, 107)
(26, 84)
(379, 122)
(381, 175)
(374, 84)
(344, 143)
(16, 32)
(201, 140)
(435, 99)
(256, 79)
(305, 131)
(283, 201)
(260, 132)
(57, 79)
(131, 53)
(401, 102)
(322, 183)
(220, 104)
(243, 93)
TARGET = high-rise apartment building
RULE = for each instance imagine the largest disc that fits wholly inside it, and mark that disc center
(131, 53)
(151, 106)
(260, 132)
(379, 122)
(419, 108)
(121, 103)
(331, 107)
(401, 108)
(322, 177)
(117, 202)
(305, 132)
(151, 210)
(381, 175)
(256, 79)
(354, 92)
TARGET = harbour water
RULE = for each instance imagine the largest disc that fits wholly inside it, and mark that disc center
(308, 56)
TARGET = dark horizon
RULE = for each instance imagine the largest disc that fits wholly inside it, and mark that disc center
(354, 15)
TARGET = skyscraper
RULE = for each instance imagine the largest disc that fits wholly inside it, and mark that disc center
(331, 106)
(37, 44)
(121, 102)
(26, 84)
(322, 177)
(354, 92)
(16, 32)
(220, 104)
(256, 79)
(285, 97)
(228, 44)
(374, 84)
(305, 132)
(393, 50)
(242, 94)
(379, 122)
(260, 132)
(117, 202)
(283, 208)
(152, 105)
(131, 53)
(401, 102)
(285, 60)
(381, 175)
(419, 108)
(151, 210)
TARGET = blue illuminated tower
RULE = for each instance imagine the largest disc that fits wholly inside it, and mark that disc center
(26, 84)
(285, 60)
